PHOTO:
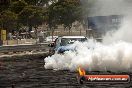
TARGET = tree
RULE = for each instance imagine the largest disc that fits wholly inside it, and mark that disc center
(40, 2)
(31, 16)
(8, 20)
(4, 4)
(33, 13)
(18, 6)
(66, 12)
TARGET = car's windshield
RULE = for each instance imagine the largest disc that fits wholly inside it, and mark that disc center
(67, 41)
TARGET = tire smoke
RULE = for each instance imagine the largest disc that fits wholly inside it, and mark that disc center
(97, 57)
(114, 54)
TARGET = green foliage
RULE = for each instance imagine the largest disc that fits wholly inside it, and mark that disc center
(33, 13)
(39, 2)
(8, 20)
(4, 4)
(32, 2)
(31, 16)
(65, 12)
(18, 6)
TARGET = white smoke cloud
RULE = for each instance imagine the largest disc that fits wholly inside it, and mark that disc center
(109, 7)
(116, 7)
(115, 54)
(113, 57)
(123, 33)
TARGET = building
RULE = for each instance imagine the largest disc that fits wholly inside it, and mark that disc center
(102, 24)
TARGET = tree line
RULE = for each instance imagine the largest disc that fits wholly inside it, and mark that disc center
(15, 14)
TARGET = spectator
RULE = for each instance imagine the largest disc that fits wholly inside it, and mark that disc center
(10, 37)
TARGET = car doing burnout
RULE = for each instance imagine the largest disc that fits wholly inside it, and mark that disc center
(63, 43)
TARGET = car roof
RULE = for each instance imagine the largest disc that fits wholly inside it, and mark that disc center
(73, 37)
(51, 36)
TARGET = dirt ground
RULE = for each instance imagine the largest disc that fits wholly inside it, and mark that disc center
(29, 72)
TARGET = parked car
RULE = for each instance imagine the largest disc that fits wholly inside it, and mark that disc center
(49, 38)
(63, 43)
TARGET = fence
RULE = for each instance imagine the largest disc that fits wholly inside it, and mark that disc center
(22, 48)
(19, 42)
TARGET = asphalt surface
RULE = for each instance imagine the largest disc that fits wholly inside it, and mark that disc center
(29, 72)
